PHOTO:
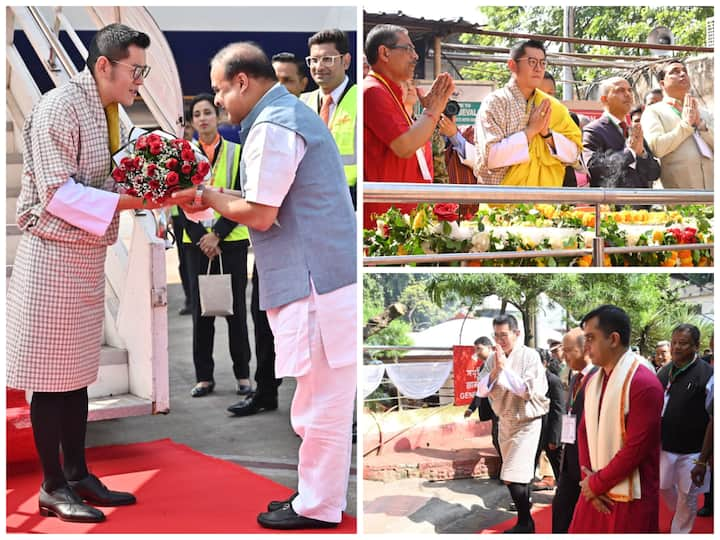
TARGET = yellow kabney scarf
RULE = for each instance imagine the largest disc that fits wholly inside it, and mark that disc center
(544, 170)
(113, 121)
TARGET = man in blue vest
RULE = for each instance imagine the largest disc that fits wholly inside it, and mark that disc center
(335, 99)
(303, 229)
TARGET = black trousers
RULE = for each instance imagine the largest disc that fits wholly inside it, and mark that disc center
(178, 224)
(234, 260)
(552, 455)
(266, 383)
(353, 196)
(563, 504)
(59, 420)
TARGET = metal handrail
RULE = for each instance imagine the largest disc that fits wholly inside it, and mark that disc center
(400, 192)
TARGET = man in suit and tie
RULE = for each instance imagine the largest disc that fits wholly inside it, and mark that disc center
(568, 482)
(616, 154)
(335, 99)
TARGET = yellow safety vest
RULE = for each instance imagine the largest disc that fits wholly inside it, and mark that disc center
(343, 128)
(224, 172)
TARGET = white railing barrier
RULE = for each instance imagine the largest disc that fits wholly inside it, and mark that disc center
(400, 192)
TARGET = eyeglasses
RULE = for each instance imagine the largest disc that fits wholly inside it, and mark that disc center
(409, 47)
(502, 336)
(138, 72)
(327, 61)
(534, 62)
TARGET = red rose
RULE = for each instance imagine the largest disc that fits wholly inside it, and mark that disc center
(188, 155)
(197, 179)
(151, 169)
(171, 164)
(178, 143)
(446, 211)
(127, 163)
(155, 149)
(185, 145)
(148, 196)
(131, 191)
(154, 138)
(137, 162)
(141, 143)
(172, 178)
(203, 168)
(154, 184)
(186, 168)
(119, 175)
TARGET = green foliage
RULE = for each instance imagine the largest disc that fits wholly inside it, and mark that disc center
(617, 23)
(422, 311)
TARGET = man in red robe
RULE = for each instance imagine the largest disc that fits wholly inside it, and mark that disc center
(619, 434)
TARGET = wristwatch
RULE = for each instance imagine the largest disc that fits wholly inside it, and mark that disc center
(549, 134)
(197, 201)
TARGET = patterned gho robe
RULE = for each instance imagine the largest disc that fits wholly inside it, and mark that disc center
(55, 301)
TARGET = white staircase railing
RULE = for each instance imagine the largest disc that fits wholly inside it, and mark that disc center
(136, 298)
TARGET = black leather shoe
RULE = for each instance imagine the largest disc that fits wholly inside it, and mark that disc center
(705, 512)
(277, 505)
(95, 492)
(246, 407)
(286, 518)
(64, 504)
(185, 310)
(243, 389)
(200, 390)
(522, 529)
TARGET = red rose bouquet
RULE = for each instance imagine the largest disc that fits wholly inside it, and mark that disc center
(156, 164)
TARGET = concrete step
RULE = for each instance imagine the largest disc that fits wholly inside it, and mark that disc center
(121, 406)
(11, 245)
(13, 170)
(9, 137)
(10, 209)
(113, 377)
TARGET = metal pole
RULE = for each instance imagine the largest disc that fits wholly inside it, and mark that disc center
(568, 26)
(437, 60)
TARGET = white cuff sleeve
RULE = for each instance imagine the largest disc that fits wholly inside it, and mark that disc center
(565, 150)
(510, 380)
(510, 151)
(633, 165)
(470, 155)
(84, 207)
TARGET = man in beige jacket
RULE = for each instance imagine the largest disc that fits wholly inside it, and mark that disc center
(680, 133)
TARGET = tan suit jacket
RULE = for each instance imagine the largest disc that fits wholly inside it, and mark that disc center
(671, 139)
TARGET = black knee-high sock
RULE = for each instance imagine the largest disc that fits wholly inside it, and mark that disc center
(72, 436)
(520, 494)
(45, 415)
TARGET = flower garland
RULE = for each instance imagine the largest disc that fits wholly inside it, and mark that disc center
(501, 228)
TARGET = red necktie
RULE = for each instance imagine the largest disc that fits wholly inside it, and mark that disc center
(576, 387)
(624, 128)
(325, 109)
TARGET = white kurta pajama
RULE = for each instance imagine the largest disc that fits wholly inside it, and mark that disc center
(518, 399)
(55, 299)
(315, 341)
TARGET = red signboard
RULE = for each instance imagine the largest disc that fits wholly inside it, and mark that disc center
(464, 373)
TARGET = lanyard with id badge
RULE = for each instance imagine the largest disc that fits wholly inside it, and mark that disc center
(569, 421)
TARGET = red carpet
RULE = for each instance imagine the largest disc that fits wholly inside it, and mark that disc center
(543, 521)
(19, 437)
(178, 489)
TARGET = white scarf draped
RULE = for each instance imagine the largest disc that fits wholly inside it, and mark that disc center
(606, 426)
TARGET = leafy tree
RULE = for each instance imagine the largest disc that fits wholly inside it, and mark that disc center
(520, 290)
(617, 23)
(422, 311)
